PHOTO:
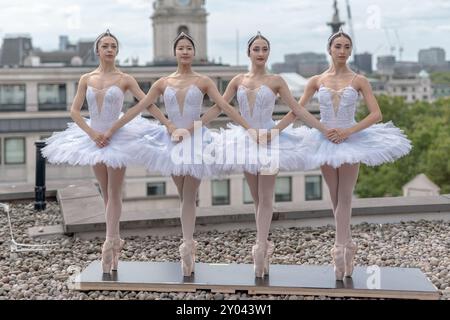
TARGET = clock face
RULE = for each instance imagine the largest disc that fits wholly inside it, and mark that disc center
(184, 2)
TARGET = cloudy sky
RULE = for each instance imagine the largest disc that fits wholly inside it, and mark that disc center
(292, 25)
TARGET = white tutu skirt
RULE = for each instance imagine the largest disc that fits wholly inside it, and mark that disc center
(73, 146)
(193, 156)
(375, 145)
(285, 152)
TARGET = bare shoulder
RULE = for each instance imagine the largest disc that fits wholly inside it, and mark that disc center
(202, 77)
(128, 79)
(204, 80)
(84, 78)
(275, 78)
(161, 82)
(361, 78)
(361, 82)
(276, 82)
(237, 80)
(315, 81)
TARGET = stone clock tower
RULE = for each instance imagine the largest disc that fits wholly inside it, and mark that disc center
(170, 17)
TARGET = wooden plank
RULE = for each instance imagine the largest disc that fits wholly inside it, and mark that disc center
(82, 207)
(369, 282)
(89, 210)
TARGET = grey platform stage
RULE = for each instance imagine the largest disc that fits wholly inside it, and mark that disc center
(371, 282)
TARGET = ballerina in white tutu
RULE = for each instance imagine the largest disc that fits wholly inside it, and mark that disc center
(84, 142)
(349, 143)
(183, 93)
(256, 93)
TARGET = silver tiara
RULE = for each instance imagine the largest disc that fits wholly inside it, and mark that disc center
(340, 31)
(183, 35)
(258, 35)
(336, 34)
(106, 33)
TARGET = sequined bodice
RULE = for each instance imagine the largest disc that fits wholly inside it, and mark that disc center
(337, 107)
(184, 105)
(256, 106)
(105, 106)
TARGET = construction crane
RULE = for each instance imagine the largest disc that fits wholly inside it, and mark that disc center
(391, 47)
(400, 46)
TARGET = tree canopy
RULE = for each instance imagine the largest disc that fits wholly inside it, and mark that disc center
(427, 125)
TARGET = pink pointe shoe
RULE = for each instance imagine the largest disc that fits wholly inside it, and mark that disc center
(187, 252)
(110, 254)
(261, 258)
(350, 251)
(269, 252)
(343, 256)
(117, 248)
(337, 252)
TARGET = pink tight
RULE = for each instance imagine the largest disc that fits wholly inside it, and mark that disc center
(341, 182)
(262, 189)
(187, 187)
(111, 181)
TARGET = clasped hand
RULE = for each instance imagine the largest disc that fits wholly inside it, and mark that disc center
(337, 135)
(100, 139)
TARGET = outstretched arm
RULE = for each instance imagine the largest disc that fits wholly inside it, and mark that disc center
(285, 121)
(211, 114)
(214, 94)
(298, 108)
(157, 114)
(152, 109)
(215, 110)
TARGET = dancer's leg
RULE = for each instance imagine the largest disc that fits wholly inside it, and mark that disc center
(348, 175)
(188, 206)
(101, 173)
(331, 178)
(189, 189)
(252, 181)
(179, 181)
(113, 193)
(114, 206)
(263, 249)
(266, 187)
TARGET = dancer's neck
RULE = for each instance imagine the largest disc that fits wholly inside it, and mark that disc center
(184, 70)
(338, 69)
(106, 67)
(257, 71)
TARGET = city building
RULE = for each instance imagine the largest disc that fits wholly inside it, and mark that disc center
(15, 49)
(385, 64)
(412, 88)
(171, 17)
(363, 62)
(432, 56)
(306, 64)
